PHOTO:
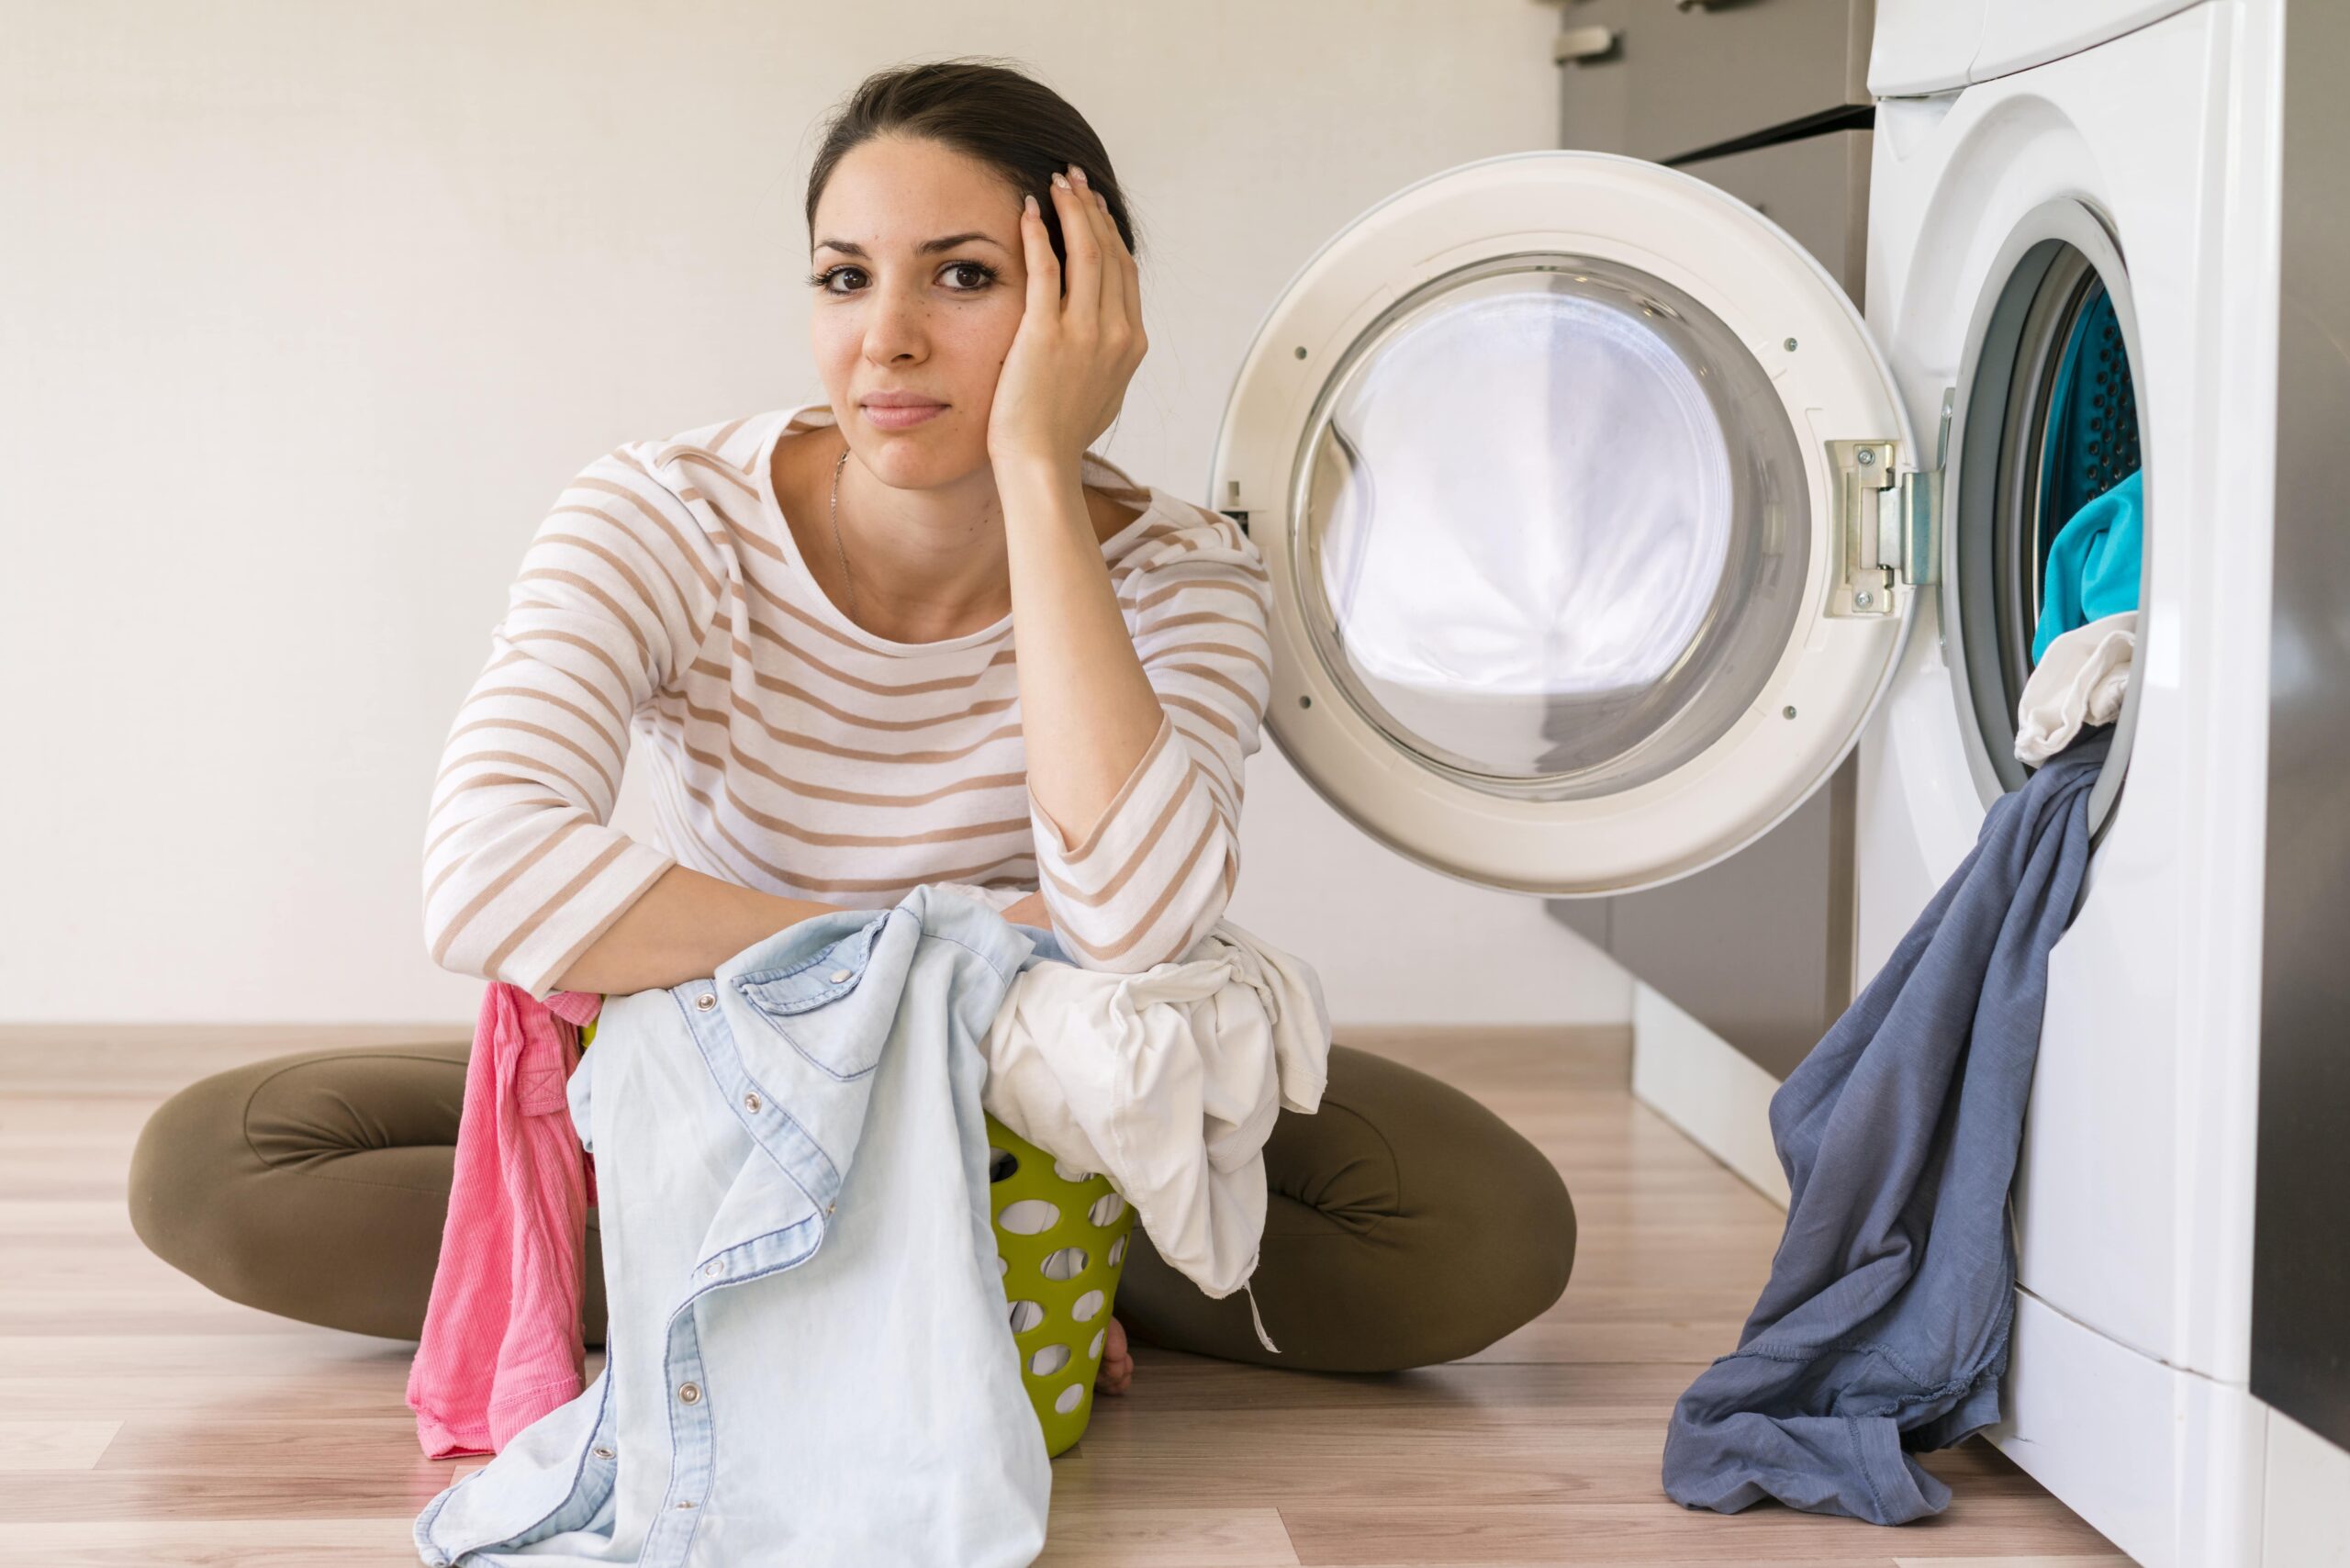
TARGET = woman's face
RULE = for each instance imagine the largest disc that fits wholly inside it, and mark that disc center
(899, 312)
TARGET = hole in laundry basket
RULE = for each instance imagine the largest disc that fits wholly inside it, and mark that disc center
(1087, 1308)
(1065, 1264)
(1069, 1398)
(1069, 1172)
(1025, 1315)
(1106, 1209)
(1002, 1164)
(1093, 1351)
(1029, 1217)
(1048, 1360)
(1117, 1251)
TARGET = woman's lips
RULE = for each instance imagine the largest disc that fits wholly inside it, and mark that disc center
(902, 417)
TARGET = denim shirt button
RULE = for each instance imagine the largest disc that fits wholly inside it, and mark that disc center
(839, 975)
(712, 1270)
(602, 1453)
(689, 1393)
(685, 1502)
(750, 1102)
(705, 1002)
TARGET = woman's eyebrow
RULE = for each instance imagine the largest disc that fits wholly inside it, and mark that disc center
(926, 248)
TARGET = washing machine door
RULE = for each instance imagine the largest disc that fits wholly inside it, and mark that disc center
(1590, 511)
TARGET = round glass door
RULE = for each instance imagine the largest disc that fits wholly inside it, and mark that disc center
(1544, 457)
(1543, 531)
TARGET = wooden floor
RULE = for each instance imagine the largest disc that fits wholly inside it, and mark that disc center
(145, 1421)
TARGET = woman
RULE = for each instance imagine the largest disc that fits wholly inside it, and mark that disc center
(805, 618)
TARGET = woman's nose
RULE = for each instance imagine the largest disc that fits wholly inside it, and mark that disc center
(894, 330)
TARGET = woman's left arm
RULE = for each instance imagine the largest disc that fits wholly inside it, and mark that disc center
(1136, 881)
(1087, 711)
(1100, 745)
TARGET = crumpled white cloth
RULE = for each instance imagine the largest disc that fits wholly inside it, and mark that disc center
(1169, 1082)
(2079, 680)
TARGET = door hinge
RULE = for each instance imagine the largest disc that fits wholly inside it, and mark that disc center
(1888, 523)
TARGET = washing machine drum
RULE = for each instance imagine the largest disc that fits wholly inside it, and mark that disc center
(1574, 478)
(2093, 426)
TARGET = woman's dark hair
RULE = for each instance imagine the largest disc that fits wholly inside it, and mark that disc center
(987, 111)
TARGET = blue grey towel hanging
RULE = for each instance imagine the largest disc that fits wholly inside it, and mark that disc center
(1884, 1328)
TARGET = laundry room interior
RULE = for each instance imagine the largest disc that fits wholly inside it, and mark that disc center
(1675, 898)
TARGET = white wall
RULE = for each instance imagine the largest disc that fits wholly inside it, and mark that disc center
(307, 310)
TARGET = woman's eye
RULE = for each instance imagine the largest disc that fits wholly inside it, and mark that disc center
(971, 277)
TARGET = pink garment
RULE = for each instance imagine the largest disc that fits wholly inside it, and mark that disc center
(503, 1343)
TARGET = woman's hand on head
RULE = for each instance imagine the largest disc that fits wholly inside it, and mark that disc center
(1066, 374)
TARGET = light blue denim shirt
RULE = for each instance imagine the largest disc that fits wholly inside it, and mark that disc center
(799, 1368)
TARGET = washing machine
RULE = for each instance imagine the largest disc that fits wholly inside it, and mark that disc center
(2099, 224)
(1602, 528)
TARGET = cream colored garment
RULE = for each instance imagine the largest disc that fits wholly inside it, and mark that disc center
(2079, 680)
(1168, 1082)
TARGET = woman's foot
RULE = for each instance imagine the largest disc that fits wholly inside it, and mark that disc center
(1117, 1362)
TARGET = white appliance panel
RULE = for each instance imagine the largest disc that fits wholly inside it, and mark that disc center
(2116, 1141)
(2020, 34)
(1924, 46)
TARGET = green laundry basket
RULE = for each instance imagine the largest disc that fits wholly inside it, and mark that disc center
(1060, 1258)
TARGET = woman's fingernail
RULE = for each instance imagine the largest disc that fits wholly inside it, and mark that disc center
(1030, 202)
(1060, 179)
(1080, 174)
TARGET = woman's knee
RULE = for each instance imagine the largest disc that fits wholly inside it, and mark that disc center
(312, 1185)
(191, 1175)
(1482, 1225)
(1515, 1250)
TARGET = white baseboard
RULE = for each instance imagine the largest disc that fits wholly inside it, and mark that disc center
(1704, 1085)
(2308, 1478)
(2164, 1463)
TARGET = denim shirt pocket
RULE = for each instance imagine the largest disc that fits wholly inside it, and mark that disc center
(786, 996)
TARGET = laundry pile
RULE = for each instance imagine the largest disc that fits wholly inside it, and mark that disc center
(2086, 636)
(1883, 1331)
(808, 1353)
(1169, 1081)
(1884, 1327)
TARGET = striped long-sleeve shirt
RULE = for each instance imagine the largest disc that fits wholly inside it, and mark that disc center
(663, 600)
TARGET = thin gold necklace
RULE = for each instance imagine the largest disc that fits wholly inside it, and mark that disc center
(848, 581)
